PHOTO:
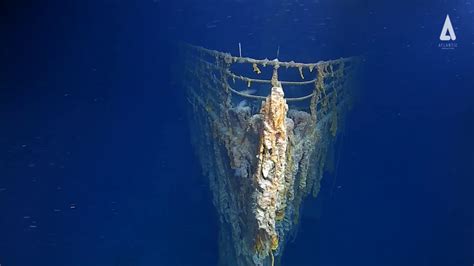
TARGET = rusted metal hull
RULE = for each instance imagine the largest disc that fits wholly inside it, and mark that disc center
(263, 154)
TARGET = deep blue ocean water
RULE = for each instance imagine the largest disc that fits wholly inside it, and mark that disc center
(96, 164)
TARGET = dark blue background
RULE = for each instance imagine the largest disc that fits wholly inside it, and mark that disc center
(96, 167)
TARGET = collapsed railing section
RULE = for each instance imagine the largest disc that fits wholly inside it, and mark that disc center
(263, 152)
